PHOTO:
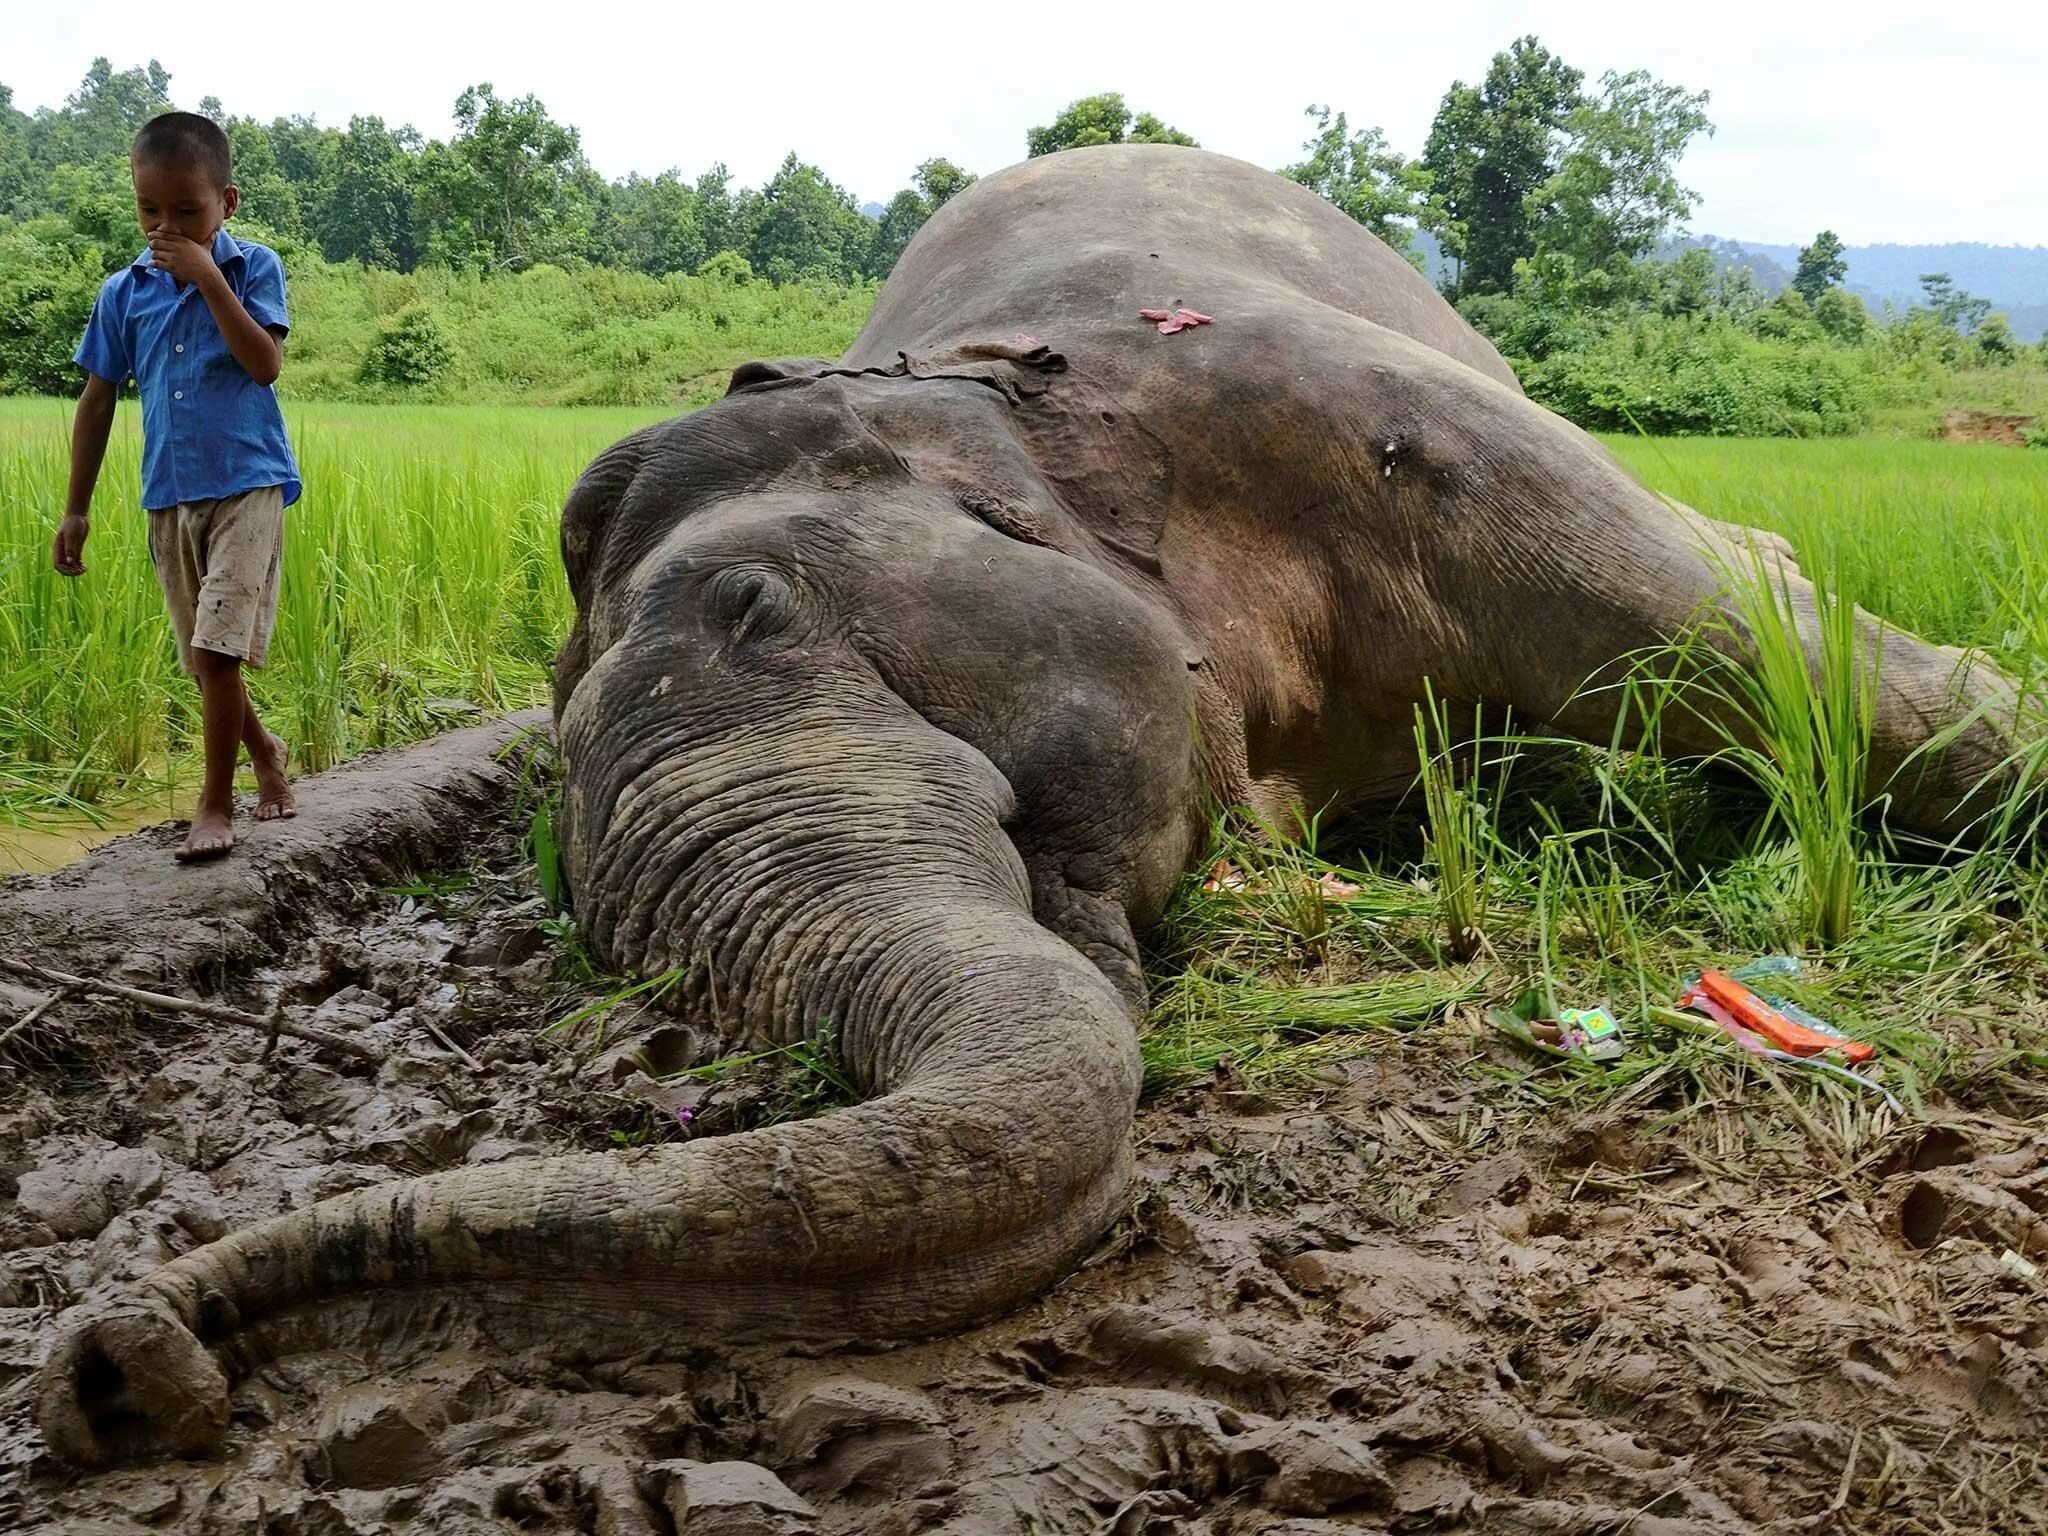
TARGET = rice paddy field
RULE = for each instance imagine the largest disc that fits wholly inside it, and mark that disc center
(421, 583)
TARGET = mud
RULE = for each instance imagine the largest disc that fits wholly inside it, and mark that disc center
(2007, 431)
(1413, 1301)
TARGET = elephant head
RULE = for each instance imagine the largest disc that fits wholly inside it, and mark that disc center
(865, 740)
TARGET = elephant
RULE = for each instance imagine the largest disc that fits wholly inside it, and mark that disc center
(900, 694)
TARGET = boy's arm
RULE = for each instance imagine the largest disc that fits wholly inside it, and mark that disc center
(255, 348)
(89, 429)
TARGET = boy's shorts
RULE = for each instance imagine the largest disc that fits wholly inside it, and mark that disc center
(217, 562)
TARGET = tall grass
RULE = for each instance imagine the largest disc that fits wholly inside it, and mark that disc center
(1454, 820)
(420, 583)
(1793, 699)
(1931, 536)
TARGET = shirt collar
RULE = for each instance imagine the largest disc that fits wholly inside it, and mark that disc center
(226, 248)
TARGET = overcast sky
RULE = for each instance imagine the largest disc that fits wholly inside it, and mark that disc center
(1885, 121)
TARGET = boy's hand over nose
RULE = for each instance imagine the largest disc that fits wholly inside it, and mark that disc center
(186, 260)
(70, 546)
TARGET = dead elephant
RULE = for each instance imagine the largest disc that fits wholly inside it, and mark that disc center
(898, 689)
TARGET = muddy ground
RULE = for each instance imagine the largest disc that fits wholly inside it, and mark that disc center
(1399, 1302)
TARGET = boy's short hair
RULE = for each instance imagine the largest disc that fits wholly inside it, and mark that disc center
(189, 139)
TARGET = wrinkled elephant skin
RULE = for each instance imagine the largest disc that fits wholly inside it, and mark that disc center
(900, 691)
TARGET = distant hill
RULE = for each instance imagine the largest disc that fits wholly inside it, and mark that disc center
(2013, 277)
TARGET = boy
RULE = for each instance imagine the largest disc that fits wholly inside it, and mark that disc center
(199, 321)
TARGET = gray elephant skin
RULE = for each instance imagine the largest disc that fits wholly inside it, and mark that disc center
(900, 692)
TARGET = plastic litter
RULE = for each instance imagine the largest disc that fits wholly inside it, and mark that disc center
(1591, 1034)
(1732, 1005)
(2024, 1267)
(1775, 1028)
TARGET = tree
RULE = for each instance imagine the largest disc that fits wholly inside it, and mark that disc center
(1358, 174)
(1955, 309)
(510, 189)
(903, 218)
(1100, 119)
(1995, 340)
(807, 227)
(1147, 129)
(936, 183)
(1822, 266)
(723, 224)
(1489, 148)
(99, 119)
(268, 198)
(939, 181)
(367, 215)
(1842, 315)
(656, 228)
(1615, 192)
(16, 168)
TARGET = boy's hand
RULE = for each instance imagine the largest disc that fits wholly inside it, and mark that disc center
(186, 260)
(71, 545)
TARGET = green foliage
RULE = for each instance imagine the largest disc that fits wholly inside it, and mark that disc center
(1102, 119)
(366, 215)
(1616, 191)
(1455, 831)
(1798, 727)
(1959, 311)
(410, 351)
(939, 181)
(48, 280)
(509, 190)
(1366, 180)
(1490, 148)
(1841, 316)
(808, 227)
(1995, 341)
(1821, 267)
(1526, 165)
(598, 336)
(1664, 376)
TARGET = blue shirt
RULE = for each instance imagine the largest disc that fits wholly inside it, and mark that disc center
(208, 429)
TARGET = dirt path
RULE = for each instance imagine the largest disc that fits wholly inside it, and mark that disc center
(1406, 1305)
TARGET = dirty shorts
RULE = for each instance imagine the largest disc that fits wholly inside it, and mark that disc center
(217, 562)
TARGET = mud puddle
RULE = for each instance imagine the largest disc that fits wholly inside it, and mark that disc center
(1406, 1303)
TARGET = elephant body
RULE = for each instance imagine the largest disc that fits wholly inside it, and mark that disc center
(901, 691)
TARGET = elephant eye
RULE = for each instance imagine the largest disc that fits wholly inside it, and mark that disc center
(749, 600)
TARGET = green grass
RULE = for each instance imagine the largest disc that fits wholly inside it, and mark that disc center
(421, 581)
(598, 337)
(1949, 540)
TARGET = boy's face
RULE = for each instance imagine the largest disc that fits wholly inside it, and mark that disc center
(180, 198)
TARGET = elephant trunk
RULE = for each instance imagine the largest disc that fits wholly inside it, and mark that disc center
(994, 1154)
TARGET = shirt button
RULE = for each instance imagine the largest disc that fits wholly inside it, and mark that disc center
(179, 347)
(177, 394)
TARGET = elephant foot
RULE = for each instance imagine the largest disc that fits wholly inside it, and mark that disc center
(132, 1382)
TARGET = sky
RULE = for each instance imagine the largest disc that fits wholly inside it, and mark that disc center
(1884, 121)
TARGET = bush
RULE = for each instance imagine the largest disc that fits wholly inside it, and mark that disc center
(410, 351)
(47, 286)
(1681, 377)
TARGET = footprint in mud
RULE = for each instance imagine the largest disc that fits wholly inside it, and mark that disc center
(1952, 1190)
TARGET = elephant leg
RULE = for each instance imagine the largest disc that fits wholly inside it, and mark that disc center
(1573, 671)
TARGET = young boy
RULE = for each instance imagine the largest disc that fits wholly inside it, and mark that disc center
(199, 321)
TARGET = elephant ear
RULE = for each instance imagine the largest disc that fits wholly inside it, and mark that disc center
(1112, 474)
(769, 373)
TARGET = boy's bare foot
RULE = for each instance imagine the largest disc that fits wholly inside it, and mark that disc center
(211, 837)
(274, 801)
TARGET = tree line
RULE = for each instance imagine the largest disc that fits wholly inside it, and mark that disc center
(1551, 200)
